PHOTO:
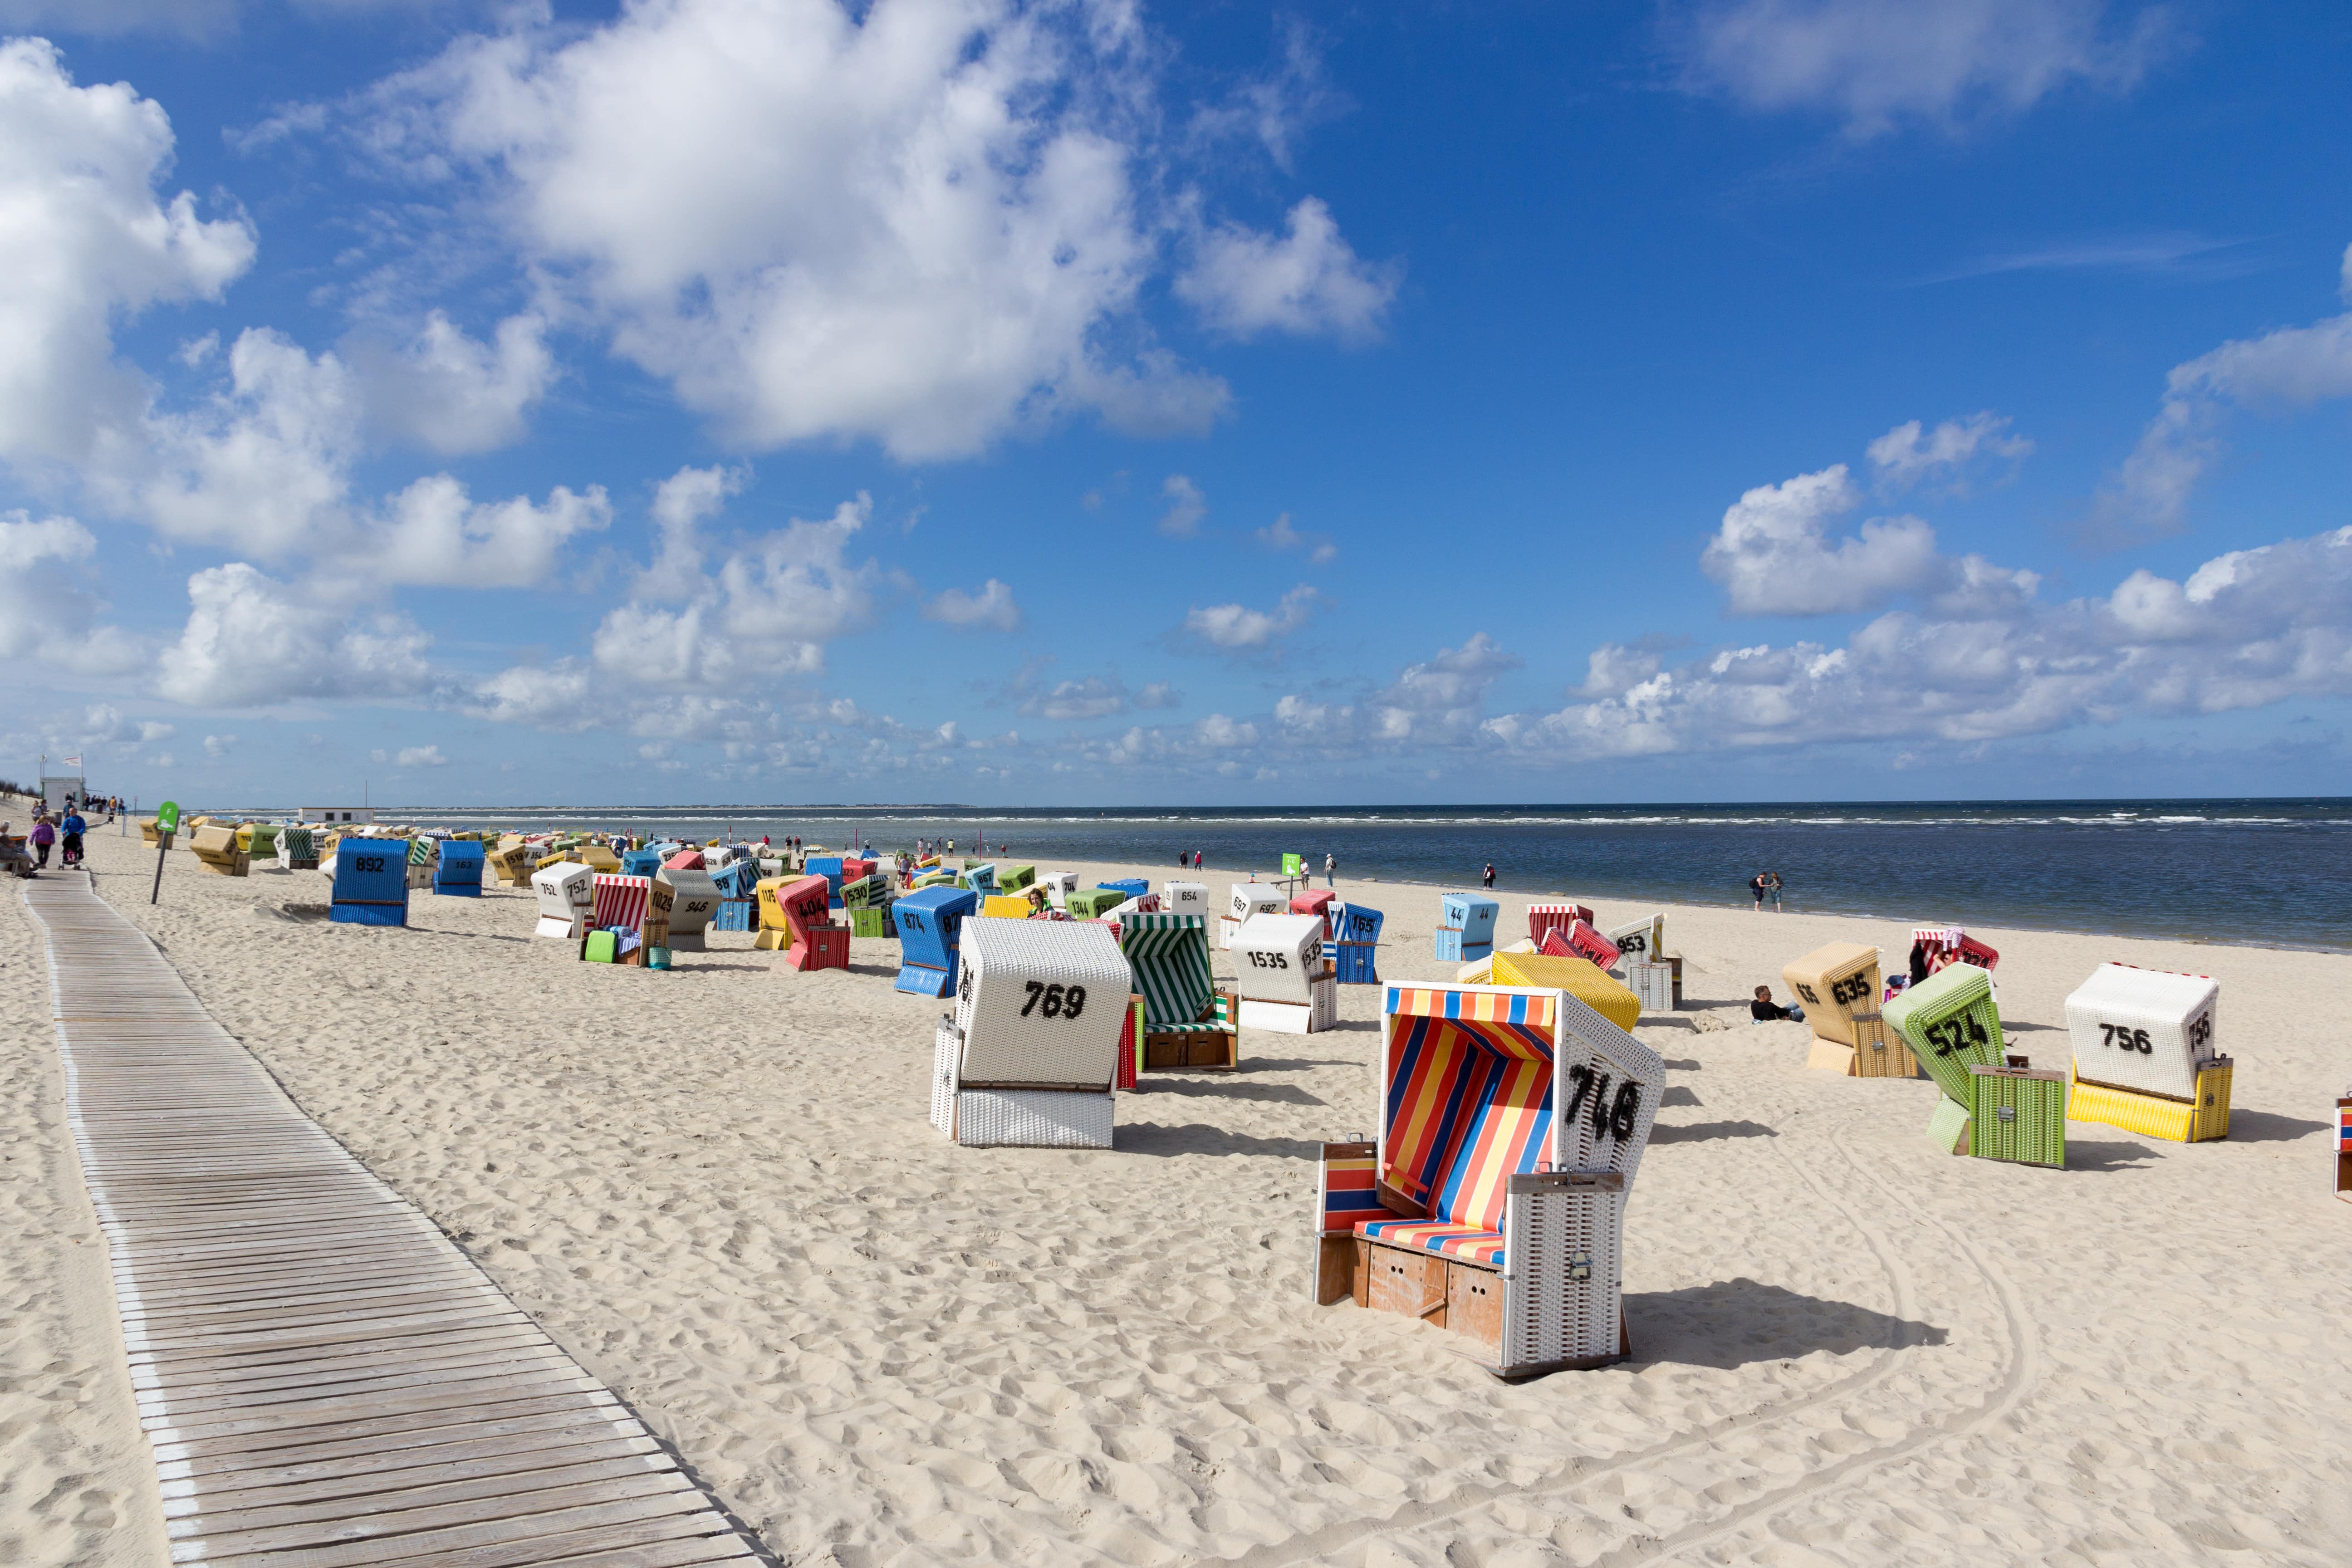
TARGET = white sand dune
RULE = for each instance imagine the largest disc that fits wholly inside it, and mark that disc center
(718, 1187)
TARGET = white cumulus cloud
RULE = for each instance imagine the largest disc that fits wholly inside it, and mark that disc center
(910, 221)
(990, 609)
(1186, 506)
(1237, 629)
(1308, 281)
(1773, 557)
(251, 640)
(1909, 453)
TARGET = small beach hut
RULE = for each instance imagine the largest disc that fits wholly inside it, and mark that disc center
(1028, 1057)
(1187, 1023)
(1512, 1123)
(2147, 1056)
(930, 922)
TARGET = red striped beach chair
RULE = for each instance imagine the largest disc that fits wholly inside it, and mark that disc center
(635, 909)
(1512, 1122)
(1578, 939)
(1543, 918)
(2343, 1148)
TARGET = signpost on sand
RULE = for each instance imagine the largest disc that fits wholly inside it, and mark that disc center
(167, 822)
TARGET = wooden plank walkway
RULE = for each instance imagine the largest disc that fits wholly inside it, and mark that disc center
(326, 1379)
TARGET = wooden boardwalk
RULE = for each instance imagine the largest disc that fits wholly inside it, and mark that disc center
(326, 1379)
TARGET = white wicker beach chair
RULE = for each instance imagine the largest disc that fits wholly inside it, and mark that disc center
(1027, 1059)
(566, 895)
(1285, 980)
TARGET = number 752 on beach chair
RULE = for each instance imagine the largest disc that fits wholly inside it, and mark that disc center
(1492, 1201)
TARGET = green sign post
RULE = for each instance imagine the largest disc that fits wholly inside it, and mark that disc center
(167, 823)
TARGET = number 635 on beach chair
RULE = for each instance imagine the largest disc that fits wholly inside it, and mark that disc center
(1492, 1203)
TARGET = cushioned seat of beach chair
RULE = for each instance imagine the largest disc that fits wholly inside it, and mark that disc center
(1169, 955)
(1469, 1243)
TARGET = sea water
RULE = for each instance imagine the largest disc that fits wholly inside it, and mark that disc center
(2271, 872)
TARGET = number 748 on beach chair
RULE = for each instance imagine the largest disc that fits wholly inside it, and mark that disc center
(1492, 1201)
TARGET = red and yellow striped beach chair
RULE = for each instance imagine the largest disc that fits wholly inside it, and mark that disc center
(1492, 1201)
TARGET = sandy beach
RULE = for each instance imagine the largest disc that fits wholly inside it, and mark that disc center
(719, 1189)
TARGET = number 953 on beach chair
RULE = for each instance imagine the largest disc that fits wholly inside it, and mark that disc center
(1028, 1057)
(1492, 1203)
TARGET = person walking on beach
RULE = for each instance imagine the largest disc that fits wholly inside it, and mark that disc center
(43, 835)
(1756, 888)
(1488, 882)
(1330, 870)
(74, 828)
(1772, 886)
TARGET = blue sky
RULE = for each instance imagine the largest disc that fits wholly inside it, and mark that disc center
(749, 401)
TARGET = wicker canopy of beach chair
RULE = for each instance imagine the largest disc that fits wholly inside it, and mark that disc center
(1578, 939)
(1840, 989)
(1640, 942)
(216, 851)
(1189, 1024)
(1285, 980)
(371, 883)
(565, 891)
(1355, 944)
(1465, 928)
(458, 870)
(297, 849)
(1951, 1023)
(930, 922)
(2147, 1056)
(693, 900)
(1029, 1056)
(1185, 898)
(1058, 886)
(1580, 978)
(1554, 915)
(1488, 1204)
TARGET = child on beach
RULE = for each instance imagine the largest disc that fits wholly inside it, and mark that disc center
(43, 836)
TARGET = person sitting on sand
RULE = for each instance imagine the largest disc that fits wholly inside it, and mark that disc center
(1764, 1010)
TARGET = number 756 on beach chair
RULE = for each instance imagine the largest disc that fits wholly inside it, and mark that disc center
(1492, 1201)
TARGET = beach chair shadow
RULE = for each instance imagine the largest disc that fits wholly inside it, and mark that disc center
(1733, 1323)
(1300, 1064)
(2267, 1127)
(1231, 1089)
(1677, 1094)
(1195, 1137)
(1700, 1132)
(2088, 1154)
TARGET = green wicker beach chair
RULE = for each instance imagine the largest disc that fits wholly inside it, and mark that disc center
(1093, 903)
(2019, 1114)
(1187, 1023)
(1951, 1024)
(1014, 878)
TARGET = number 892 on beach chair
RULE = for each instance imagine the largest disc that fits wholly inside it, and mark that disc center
(1493, 1201)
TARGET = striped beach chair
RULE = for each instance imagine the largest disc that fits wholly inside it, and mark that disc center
(2343, 1147)
(1556, 915)
(1578, 939)
(635, 909)
(1512, 1123)
(1189, 1024)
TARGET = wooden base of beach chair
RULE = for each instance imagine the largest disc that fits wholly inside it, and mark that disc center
(1828, 1056)
(1465, 1299)
(1879, 1052)
(1192, 1052)
(827, 947)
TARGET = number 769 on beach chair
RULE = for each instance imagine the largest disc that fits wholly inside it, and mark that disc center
(1492, 1201)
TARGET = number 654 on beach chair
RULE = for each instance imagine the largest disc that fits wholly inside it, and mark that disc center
(1492, 1203)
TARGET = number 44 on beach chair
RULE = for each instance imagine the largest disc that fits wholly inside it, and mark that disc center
(1492, 1201)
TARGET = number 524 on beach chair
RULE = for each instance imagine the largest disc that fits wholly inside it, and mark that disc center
(1512, 1122)
(1189, 1024)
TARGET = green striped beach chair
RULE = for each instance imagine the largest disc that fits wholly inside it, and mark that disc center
(1189, 1024)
